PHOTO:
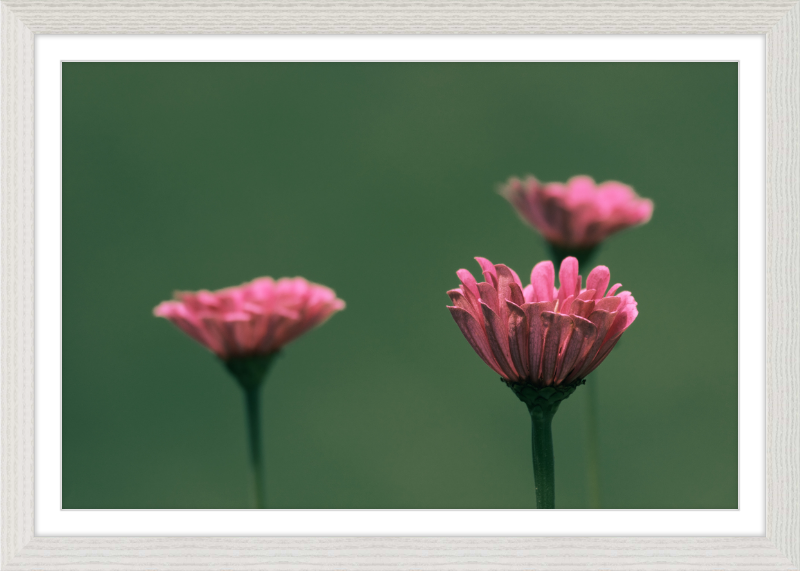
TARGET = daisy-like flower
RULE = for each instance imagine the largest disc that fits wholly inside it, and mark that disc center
(255, 319)
(542, 340)
(580, 214)
(246, 326)
(538, 334)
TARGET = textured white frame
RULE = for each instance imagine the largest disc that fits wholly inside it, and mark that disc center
(779, 20)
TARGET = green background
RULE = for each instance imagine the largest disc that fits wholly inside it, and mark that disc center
(379, 180)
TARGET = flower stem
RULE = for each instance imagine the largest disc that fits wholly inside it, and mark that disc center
(584, 256)
(543, 458)
(251, 372)
(253, 406)
(542, 403)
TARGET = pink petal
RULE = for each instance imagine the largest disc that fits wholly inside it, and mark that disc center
(516, 278)
(455, 294)
(613, 290)
(497, 333)
(579, 343)
(626, 314)
(475, 336)
(507, 286)
(274, 333)
(566, 307)
(460, 300)
(221, 337)
(489, 272)
(536, 334)
(518, 339)
(568, 279)
(602, 320)
(527, 293)
(488, 295)
(243, 334)
(543, 279)
(582, 308)
(197, 332)
(507, 289)
(470, 287)
(515, 294)
(608, 303)
(598, 280)
(559, 330)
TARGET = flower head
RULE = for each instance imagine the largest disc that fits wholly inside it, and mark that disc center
(579, 214)
(538, 334)
(254, 319)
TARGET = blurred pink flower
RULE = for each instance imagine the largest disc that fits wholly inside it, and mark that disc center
(579, 214)
(254, 319)
(539, 334)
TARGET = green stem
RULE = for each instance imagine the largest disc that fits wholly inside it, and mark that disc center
(542, 403)
(592, 445)
(584, 257)
(251, 372)
(253, 405)
(543, 459)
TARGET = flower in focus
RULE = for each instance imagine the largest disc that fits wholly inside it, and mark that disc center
(580, 214)
(251, 320)
(537, 334)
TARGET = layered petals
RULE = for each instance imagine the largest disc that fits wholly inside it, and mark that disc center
(579, 214)
(256, 318)
(539, 334)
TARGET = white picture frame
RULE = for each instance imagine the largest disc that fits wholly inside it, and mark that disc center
(778, 21)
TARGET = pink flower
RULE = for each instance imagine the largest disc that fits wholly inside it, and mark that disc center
(539, 334)
(578, 214)
(256, 318)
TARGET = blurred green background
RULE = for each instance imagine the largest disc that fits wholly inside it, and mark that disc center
(378, 180)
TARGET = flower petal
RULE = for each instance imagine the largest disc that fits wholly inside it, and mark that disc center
(221, 339)
(536, 334)
(626, 314)
(470, 288)
(608, 303)
(602, 320)
(582, 308)
(489, 272)
(460, 300)
(497, 333)
(543, 279)
(518, 339)
(475, 336)
(559, 330)
(507, 286)
(516, 278)
(488, 295)
(598, 280)
(566, 307)
(528, 294)
(507, 289)
(568, 279)
(579, 343)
